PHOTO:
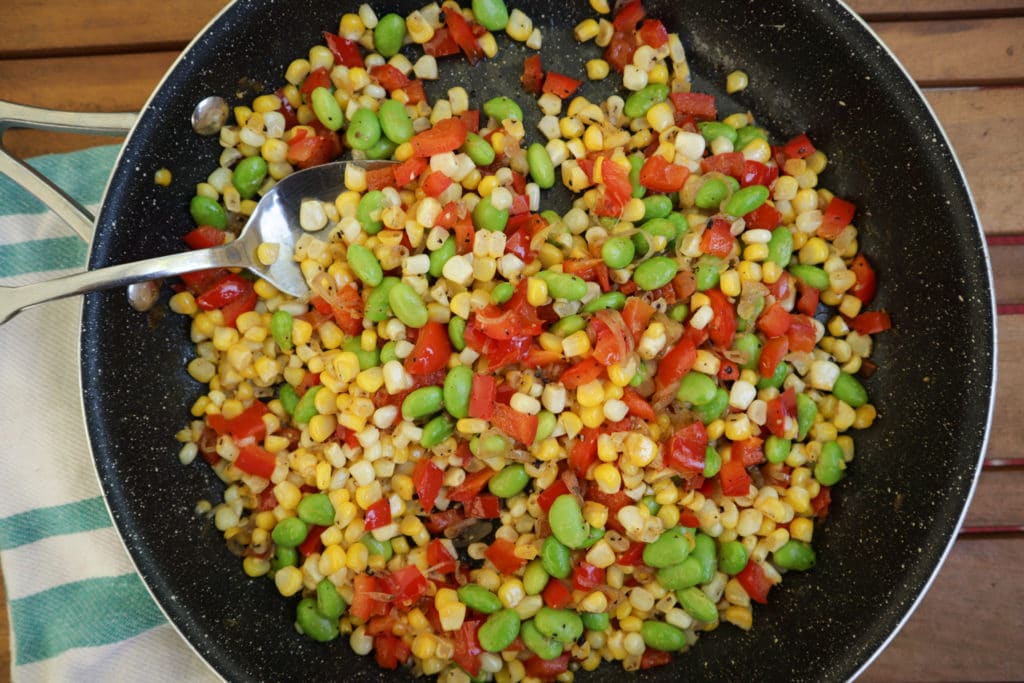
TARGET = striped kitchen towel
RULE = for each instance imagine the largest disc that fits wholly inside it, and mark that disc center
(78, 610)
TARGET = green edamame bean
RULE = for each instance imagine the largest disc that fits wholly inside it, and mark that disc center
(422, 402)
(328, 600)
(707, 273)
(407, 305)
(595, 621)
(375, 547)
(660, 227)
(486, 217)
(748, 134)
(776, 449)
(500, 629)
(564, 285)
(671, 547)
(436, 431)
(605, 301)
(712, 130)
(377, 307)
(711, 193)
(662, 636)
(705, 552)
(306, 408)
(511, 480)
(457, 332)
(595, 535)
(683, 575)
(713, 409)
(655, 272)
(698, 605)
(281, 329)
(556, 557)
(541, 645)
(363, 130)
(643, 99)
(712, 462)
(568, 325)
(388, 34)
(795, 555)
(248, 175)
(479, 598)
(289, 398)
(732, 557)
(618, 252)
(368, 211)
(365, 265)
(829, 468)
(777, 378)
(493, 14)
(812, 276)
(780, 246)
(563, 625)
(492, 445)
(458, 384)
(327, 109)
(478, 149)
(206, 211)
(289, 532)
(314, 624)
(746, 199)
(316, 508)
(542, 169)
(382, 149)
(696, 388)
(440, 256)
(389, 352)
(284, 556)
(566, 520)
(657, 206)
(394, 121)
(636, 162)
(502, 108)
(679, 312)
(535, 577)
(849, 390)
(367, 359)
(806, 411)
(502, 292)
(546, 422)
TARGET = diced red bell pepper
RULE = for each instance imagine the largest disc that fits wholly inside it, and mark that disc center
(306, 150)
(865, 285)
(223, 292)
(415, 92)
(638, 405)
(377, 515)
(546, 669)
(462, 34)
(722, 328)
(442, 44)
(560, 85)
(484, 506)
(756, 173)
(780, 408)
(435, 183)
(406, 585)
(629, 15)
(727, 163)
(698, 105)
(205, 236)
(556, 594)
(520, 426)
(502, 555)
(676, 363)
(871, 322)
(587, 370)
(749, 451)
(446, 135)
(685, 449)
(772, 353)
(800, 147)
(765, 217)
(652, 32)
(389, 651)
(755, 582)
(431, 351)
(346, 52)
(636, 314)
(652, 658)
(438, 558)
(734, 477)
(659, 175)
(775, 320)
(837, 215)
(821, 502)
(801, 334)
(249, 423)
(808, 298)
(533, 75)
(255, 460)
(471, 485)
(427, 479)
(379, 178)
(319, 77)
(583, 453)
(482, 396)
(312, 544)
(587, 577)
(548, 495)
(409, 170)
(717, 240)
(467, 647)
(389, 77)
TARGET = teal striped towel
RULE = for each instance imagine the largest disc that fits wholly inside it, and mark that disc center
(78, 609)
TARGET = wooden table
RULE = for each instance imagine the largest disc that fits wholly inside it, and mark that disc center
(969, 57)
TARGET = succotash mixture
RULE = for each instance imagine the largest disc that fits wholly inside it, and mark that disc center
(501, 442)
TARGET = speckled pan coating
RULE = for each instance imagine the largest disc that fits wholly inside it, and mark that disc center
(813, 67)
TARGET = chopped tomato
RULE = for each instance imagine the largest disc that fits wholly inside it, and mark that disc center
(781, 408)
(447, 135)
(775, 320)
(616, 190)
(442, 44)
(366, 600)
(587, 577)
(727, 163)
(801, 334)
(533, 75)
(312, 544)
(467, 647)
(800, 147)
(548, 495)
(653, 33)
(676, 363)
(471, 486)
(749, 451)
(722, 327)
(774, 350)
(389, 77)
(546, 669)
(390, 651)
(484, 506)
(223, 292)
(438, 558)
(560, 85)
(427, 479)
(198, 281)
(556, 594)
(658, 175)
(306, 150)
(591, 270)
(502, 554)
(346, 52)
(587, 370)
(652, 658)
(734, 477)
(462, 34)
(406, 585)
(837, 215)
(717, 240)
(377, 515)
(317, 78)
(415, 92)
(437, 522)
(807, 301)
(764, 217)
(614, 340)
(821, 502)
(756, 173)
(871, 322)
(629, 15)
(255, 460)
(435, 183)
(633, 556)
(865, 285)
(379, 178)
(698, 105)
(638, 405)
(481, 396)
(755, 582)
(409, 170)
(619, 52)
(205, 236)
(520, 426)
(685, 449)
(636, 313)
(249, 423)
(431, 351)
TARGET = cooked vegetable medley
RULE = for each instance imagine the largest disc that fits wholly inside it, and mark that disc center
(497, 441)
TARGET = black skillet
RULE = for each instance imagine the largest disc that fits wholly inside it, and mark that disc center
(813, 67)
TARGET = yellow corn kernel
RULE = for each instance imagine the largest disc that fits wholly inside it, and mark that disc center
(661, 117)
(659, 73)
(537, 292)
(511, 592)
(801, 529)
(184, 303)
(596, 514)
(548, 450)
(634, 210)
(865, 416)
(585, 30)
(357, 557)
(814, 251)
(488, 44)
(404, 152)
(729, 283)
(321, 427)
(817, 162)
(608, 477)
(600, 6)
(736, 81)
(590, 394)
(519, 26)
(592, 417)
(597, 69)
(577, 343)
(550, 342)
(288, 581)
(737, 615)
(471, 425)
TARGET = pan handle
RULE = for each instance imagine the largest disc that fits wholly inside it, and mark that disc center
(14, 115)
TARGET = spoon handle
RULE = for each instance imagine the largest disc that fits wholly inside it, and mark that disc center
(14, 299)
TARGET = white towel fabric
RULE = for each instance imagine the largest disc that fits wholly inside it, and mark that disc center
(78, 609)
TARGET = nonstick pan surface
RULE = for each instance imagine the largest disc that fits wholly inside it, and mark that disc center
(813, 67)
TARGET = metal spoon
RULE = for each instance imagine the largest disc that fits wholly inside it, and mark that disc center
(275, 220)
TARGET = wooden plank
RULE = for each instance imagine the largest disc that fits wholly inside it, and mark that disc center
(908, 9)
(41, 27)
(963, 52)
(1007, 436)
(997, 500)
(982, 125)
(1008, 275)
(968, 626)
